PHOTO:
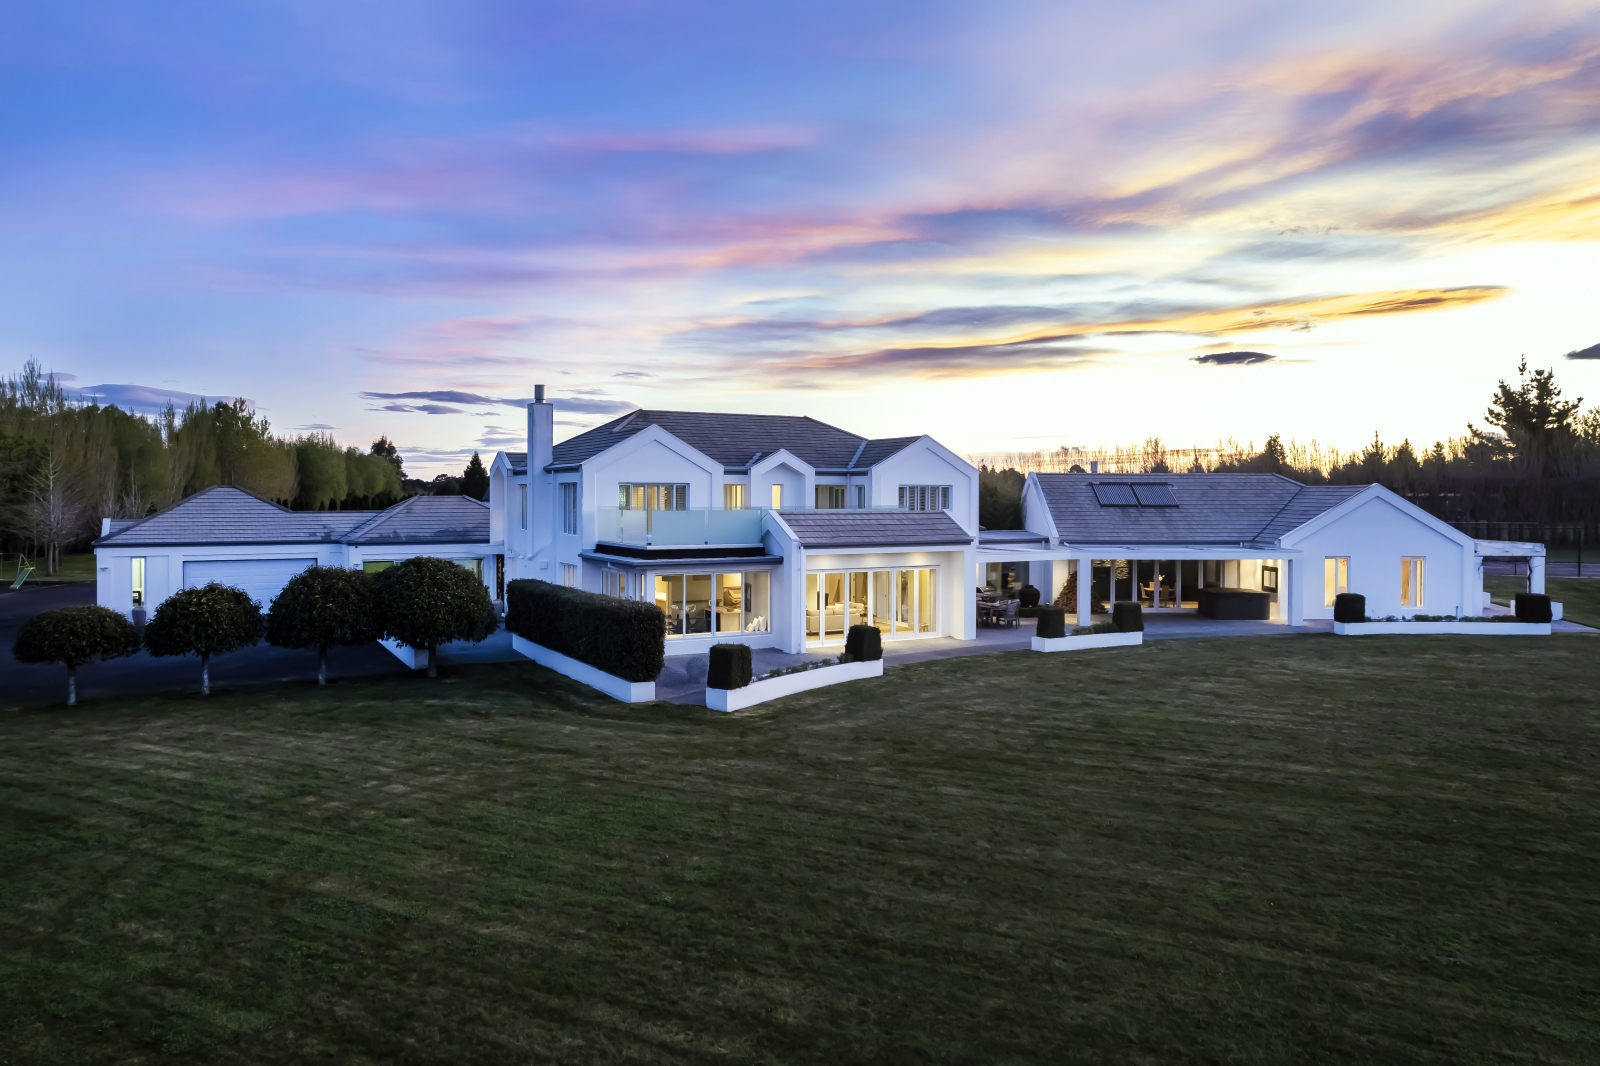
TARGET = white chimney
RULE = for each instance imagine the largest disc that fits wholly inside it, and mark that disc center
(541, 484)
(1094, 466)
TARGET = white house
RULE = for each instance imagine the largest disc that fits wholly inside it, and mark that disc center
(1185, 541)
(230, 536)
(770, 530)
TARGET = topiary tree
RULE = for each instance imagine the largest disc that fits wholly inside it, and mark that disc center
(75, 636)
(322, 607)
(425, 602)
(210, 620)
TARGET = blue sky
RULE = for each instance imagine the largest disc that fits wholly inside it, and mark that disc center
(1010, 225)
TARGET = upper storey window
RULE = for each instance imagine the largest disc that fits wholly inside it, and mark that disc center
(653, 497)
(925, 497)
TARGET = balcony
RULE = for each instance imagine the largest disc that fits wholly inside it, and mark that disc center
(696, 527)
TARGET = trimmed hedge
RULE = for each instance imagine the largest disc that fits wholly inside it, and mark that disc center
(863, 644)
(1127, 616)
(624, 638)
(1533, 607)
(730, 666)
(1349, 607)
(1052, 623)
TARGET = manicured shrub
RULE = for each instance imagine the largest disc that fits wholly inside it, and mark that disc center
(1532, 607)
(322, 607)
(1029, 596)
(1052, 623)
(863, 644)
(730, 666)
(74, 637)
(1349, 607)
(624, 638)
(1127, 616)
(425, 602)
(210, 620)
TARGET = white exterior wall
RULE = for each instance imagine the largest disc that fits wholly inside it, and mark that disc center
(163, 573)
(798, 478)
(927, 462)
(957, 608)
(1375, 531)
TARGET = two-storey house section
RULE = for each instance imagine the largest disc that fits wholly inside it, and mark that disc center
(772, 530)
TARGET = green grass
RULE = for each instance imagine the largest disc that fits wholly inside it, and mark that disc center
(1292, 849)
(1579, 597)
(78, 567)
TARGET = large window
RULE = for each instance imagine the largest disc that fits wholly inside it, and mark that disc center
(138, 582)
(703, 604)
(924, 497)
(1411, 581)
(523, 497)
(733, 497)
(569, 507)
(653, 497)
(830, 497)
(1335, 578)
(901, 603)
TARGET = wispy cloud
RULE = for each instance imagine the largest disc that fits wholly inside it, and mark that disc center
(1234, 358)
(572, 404)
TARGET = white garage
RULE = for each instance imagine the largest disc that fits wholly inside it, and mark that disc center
(262, 579)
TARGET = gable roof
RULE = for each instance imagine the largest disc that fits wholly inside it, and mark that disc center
(860, 529)
(518, 461)
(223, 514)
(735, 440)
(1232, 509)
(426, 520)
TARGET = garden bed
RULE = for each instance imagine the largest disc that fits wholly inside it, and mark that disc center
(566, 666)
(1474, 629)
(1085, 641)
(772, 688)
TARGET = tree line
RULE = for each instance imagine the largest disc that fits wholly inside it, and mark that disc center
(1532, 471)
(66, 464)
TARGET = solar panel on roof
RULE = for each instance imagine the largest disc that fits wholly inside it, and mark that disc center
(1157, 495)
(1114, 494)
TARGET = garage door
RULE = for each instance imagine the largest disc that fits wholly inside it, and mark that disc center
(261, 578)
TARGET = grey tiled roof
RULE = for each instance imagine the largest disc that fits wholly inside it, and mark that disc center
(1254, 509)
(427, 520)
(857, 529)
(226, 515)
(736, 440)
(518, 461)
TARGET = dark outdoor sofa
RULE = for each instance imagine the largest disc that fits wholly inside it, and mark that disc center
(1235, 604)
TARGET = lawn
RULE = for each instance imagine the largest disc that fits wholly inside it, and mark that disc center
(1579, 597)
(79, 567)
(1288, 849)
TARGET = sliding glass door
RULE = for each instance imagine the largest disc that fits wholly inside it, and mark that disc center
(900, 603)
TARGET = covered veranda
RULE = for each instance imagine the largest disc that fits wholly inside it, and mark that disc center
(1161, 578)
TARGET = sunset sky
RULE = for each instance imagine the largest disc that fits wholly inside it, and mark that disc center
(1010, 225)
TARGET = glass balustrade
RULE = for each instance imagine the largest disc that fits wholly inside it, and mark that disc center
(614, 525)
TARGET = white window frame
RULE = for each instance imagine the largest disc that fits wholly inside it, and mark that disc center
(747, 616)
(569, 508)
(924, 497)
(1413, 580)
(733, 497)
(1335, 577)
(828, 637)
(569, 575)
(777, 496)
(832, 492)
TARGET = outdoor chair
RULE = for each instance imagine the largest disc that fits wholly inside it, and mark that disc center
(1010, 616)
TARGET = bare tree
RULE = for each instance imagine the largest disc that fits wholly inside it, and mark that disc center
(53, 515)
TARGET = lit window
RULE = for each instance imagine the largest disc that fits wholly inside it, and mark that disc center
(1335, 578)
(733, 497)
(138, 582)
(777, 497)
(701, 604)
(653, 497)
(569, 507)
(1411, 581)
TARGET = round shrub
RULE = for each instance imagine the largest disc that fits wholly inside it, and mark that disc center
(74, 637)
(425, 602)
(322, 607)
(210, 620)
